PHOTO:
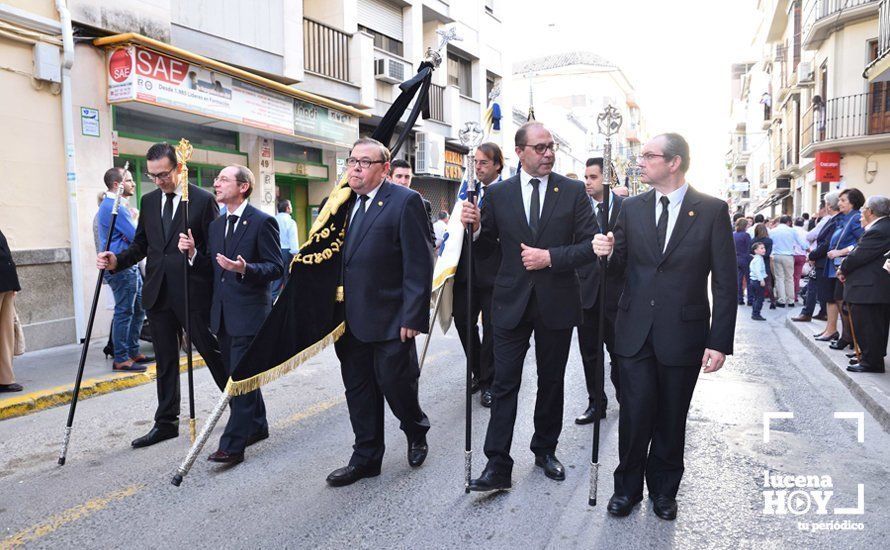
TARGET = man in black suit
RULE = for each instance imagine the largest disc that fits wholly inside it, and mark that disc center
(668, 242)
(489, 162)
(245, 256)
(402, 175)
(867, 286)
(542, 224)
(387, 279)
(163, 294)
(590, 275)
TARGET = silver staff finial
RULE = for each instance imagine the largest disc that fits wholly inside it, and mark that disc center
(445, 36)
(471, 135)
(609, 121)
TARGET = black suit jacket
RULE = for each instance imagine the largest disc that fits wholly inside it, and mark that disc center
(590, 273)
(668, 293)
(243, 302)
(485, 269)
(866, 281)
(429, 218)
(820, 253)
(388, 269)
(9, 279)
(165, 262)
(566, 229)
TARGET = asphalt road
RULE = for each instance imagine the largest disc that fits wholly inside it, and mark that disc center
(111, 496)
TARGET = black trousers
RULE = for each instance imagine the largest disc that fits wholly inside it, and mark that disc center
(247, 413)
(372, 372)
(482, 361)
(871, 323)
(551, 352)
(167, 324)
(588, 343)
(652, 423)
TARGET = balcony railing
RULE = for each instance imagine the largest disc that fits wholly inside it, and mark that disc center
(848, 117)
(820, 9)
(325, 50)
(884, 29)
(437, 103)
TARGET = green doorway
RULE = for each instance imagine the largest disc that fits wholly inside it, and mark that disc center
(296, 190)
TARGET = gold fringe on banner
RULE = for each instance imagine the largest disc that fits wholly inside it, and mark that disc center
(444, 276)
(254, 383)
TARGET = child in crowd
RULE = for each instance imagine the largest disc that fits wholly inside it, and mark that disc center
(758, 279)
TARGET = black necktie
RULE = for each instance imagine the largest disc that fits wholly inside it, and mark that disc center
(662, 227)
(602, 217)
(230, 233)
(534, 215)
(167, 215)
(355, 225)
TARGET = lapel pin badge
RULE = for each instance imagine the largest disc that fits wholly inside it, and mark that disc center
(556, 189)
(691, 213)
(379, 203)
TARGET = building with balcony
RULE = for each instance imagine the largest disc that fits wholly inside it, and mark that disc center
(747, 183)
(567, 92)
(358, 51)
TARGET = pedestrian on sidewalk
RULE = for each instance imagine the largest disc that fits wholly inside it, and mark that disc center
(9, 285)
(847, 231)
(786, 243)
(761, 235)
(820, 237)
(290, 243)
(164, 292)
(867, 287)
(800, 255)
(757, 279)
(125, 284)
(743, 257)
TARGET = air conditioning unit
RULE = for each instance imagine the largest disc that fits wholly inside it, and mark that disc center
(389, 70)
(429, 150)
(805, 74)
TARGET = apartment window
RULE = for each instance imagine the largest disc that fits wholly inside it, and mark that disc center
(384, 42)
(460, 74)
(490, 82)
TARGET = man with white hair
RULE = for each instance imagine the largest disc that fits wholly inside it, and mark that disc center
(867, 286)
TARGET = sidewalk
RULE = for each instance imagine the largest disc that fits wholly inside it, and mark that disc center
(870, 389)
(48, 377)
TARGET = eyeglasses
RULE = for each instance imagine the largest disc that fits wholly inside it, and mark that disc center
(364, 163)
(541, 148)
(225, 179)
(482, 162)
(160, 175)
(648, 157)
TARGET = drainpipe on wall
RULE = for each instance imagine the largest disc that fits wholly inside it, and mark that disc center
(71, 167)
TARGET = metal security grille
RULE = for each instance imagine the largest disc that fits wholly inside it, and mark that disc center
(442, 194)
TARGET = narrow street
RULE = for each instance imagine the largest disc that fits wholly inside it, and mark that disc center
(110, 496)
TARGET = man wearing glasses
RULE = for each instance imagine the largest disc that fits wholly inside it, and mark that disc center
(542, 225)
(668, 242)
(387, 277)
(163, 294)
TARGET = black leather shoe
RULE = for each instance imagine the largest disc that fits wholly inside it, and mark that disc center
(840, 344)
(350, 474)
(417, 452)
(552, 467)
(854, 361)
(224, 457)
(664, 507)
(257, 437)
(156, 435)
(486, 398)
(850, 355)
(828, 338)
(862, 367)
(620, 505)
(490, 481)
(589, 415)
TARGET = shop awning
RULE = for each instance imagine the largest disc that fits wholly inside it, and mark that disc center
(144, 70)
(775, 197)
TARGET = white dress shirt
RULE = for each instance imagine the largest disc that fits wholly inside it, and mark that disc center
(872, 224)
(676, 201)
(526, 188)
(288, 232)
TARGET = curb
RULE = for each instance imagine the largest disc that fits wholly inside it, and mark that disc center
(61, 395)
(876, 409)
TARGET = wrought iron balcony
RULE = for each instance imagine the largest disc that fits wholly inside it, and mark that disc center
(845, 123)
(822, 17)
(325, 50)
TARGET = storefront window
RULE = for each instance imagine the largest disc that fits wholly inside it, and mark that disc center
(291, 152)
(139, 125)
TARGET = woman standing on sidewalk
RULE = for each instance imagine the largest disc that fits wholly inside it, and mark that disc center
(9, 285)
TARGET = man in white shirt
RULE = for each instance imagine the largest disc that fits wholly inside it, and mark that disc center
(440, 228)
(290, 243)
(785, 240)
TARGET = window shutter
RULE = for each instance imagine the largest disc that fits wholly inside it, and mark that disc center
(382, 17)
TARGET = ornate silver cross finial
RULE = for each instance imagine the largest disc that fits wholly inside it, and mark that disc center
(445, 36)
(609, 121)
(471, 135)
